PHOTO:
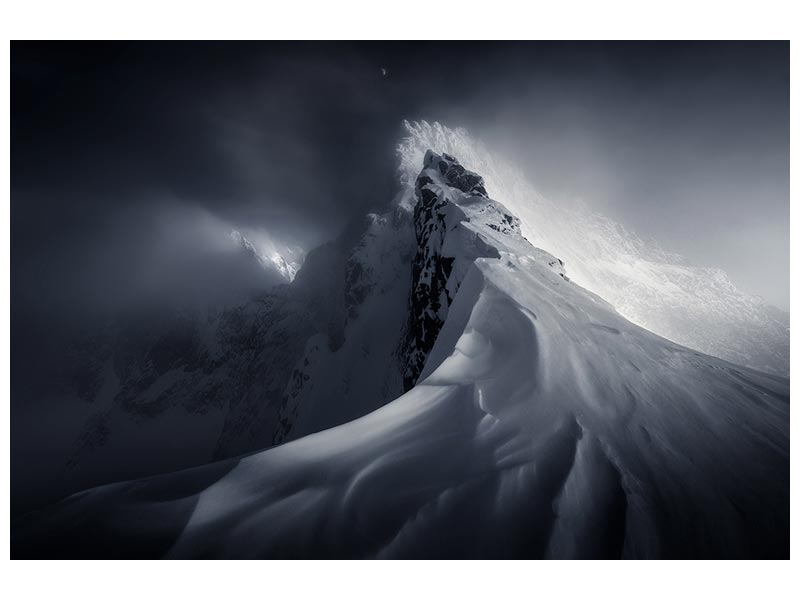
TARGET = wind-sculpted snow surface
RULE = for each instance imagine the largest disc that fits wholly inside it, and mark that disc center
(543, 424)
(696, 307)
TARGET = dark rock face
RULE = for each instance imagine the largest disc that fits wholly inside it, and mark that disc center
(458, 177)
(374, 271)
(430, 297)
(433, 287)
(236, 361)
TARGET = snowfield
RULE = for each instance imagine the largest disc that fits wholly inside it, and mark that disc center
(542, 424)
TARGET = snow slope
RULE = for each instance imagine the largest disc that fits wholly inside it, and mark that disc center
(543, 424)
(697, 307)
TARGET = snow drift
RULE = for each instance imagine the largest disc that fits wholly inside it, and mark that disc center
(542, 423)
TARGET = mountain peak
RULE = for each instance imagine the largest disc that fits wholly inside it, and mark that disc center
(657, 289)
(455, 174)
(456, 223)
(273, 261)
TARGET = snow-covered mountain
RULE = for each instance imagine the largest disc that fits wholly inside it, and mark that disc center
(272, 261)
(296, 358)
(697, 307)
(536, 420)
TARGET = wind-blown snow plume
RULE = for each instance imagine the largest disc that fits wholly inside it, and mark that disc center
(659, 290)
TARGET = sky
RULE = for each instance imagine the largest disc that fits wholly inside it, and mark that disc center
(131, 161)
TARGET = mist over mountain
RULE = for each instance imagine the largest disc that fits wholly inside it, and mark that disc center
(402, 300)
(530, 419)
(258, 361)
(120, 147)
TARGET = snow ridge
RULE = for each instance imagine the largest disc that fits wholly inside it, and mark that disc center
(445, 249)
(694, 306)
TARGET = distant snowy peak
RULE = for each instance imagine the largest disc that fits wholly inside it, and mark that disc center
(272, 260)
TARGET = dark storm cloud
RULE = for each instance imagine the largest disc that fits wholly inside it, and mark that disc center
(283, 137)
(117, 148)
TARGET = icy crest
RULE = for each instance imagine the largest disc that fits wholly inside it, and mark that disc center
(659, 290)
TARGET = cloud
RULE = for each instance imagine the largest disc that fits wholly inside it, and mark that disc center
(295, 140)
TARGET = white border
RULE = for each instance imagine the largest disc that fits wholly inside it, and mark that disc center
(399, 19)
(403, 19)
